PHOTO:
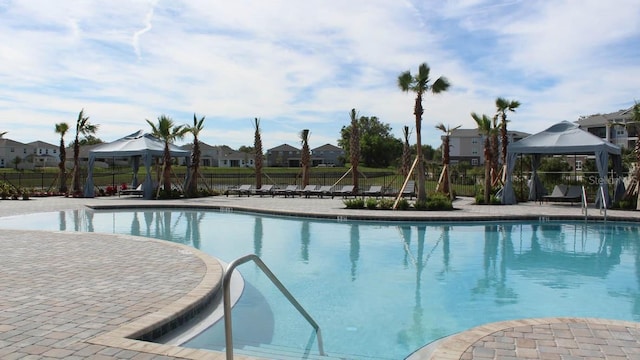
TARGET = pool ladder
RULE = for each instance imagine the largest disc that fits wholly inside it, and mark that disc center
(226, 288)
(603, 203)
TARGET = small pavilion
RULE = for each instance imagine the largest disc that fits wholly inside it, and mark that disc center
(561, 139)
(138, 146)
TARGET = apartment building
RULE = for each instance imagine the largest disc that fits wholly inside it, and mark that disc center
(615, 127)
(467, 145)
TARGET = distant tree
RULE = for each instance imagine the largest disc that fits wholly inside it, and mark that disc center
(168, 132)
(485, 127)
(246, 149)
(62, 129)
(83, 127)
(419, 84)
(445, 152)
(257, 145)
(3, 133)
(354, 148)
(502, 106)
(90, 140)
(16, 161)
(305, 157)
(378, 147)
(634, 186)
(192, 187)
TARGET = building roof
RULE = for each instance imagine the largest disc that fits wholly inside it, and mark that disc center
(476, 133)
(42, 144)
(284, 147)
(603, 119)
(327, 147)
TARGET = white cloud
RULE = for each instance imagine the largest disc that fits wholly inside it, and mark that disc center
(305, 64)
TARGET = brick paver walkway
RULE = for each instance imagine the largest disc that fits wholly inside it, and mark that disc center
(549, 339)
(77, 295)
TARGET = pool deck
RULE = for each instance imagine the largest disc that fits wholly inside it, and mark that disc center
(76, 296)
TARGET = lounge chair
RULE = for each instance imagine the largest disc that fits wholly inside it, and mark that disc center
(374, 190)
(137, 191)
(561, 193)
(410, 189)
(241, 190)
(290, 190)
(306, 192)
(347, 190)
(264, 190)
(322, 191)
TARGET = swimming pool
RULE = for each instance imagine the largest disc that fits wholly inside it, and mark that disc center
(384, 289)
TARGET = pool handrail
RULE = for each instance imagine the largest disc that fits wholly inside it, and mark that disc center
(226, 288)
(603, 203)
(584, 202)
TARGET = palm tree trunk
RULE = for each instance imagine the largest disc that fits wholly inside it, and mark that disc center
(487, 171)
(421, 194)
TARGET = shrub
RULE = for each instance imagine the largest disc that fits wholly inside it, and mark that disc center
(356, 203)
(371, 203)
(439, 201)
(403, 204)
(386, 204)
(420, 205)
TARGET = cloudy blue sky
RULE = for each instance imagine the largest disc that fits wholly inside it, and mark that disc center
(304, 64)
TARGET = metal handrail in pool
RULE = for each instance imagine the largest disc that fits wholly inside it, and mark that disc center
(603, 203)
(226, 281)
(584, 202)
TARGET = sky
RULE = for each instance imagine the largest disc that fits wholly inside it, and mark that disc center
(305, 64)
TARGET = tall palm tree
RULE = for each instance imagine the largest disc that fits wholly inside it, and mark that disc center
(502, 106)
(419, 84)
(83, 127)
(192, 186)
(305, 157)
(62, 129)
(406, 153)
(634, 186)
(257, 148)
(444, 187)
(487, 130)
(354, 148)
(168, 132)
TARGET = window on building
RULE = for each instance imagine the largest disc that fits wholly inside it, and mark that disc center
(579, 165)
(13, 150)
(620, 132)
(474, 162)
(474, 151)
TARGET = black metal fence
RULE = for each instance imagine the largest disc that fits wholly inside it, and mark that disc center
(463, 184)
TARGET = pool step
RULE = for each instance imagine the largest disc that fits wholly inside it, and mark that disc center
(276, 352)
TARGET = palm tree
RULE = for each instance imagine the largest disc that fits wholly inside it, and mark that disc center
(419, 83)
(3, 133)
(487, 130)
(62, 129)
(406, 153)
(305, 157)
(354, 149)
(634, 186)
(192, 186)
(257, 148)
(502, 106)
(168, 132)
(84, 127)
(444, 186)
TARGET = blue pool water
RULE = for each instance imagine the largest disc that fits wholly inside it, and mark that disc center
(383, 289)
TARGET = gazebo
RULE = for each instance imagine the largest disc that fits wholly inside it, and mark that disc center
(138, 145)
(563, 138)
